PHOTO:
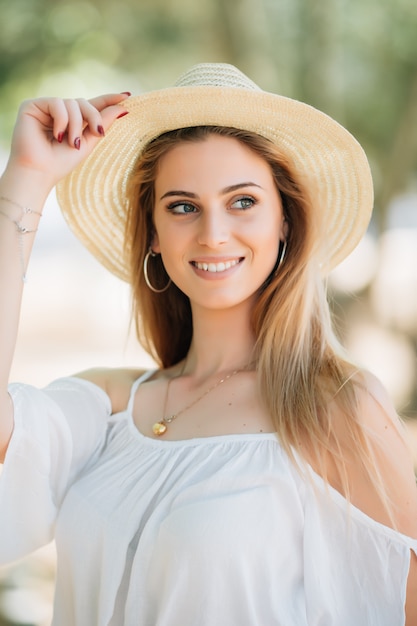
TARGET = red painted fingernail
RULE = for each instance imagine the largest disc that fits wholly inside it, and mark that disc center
(126, 93)
(60, 137)
(100, 130)
(77, 143)
(122, 115)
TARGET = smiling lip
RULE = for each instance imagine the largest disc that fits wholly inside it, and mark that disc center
(216, 267)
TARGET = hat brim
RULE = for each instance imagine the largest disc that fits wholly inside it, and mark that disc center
(327, 160)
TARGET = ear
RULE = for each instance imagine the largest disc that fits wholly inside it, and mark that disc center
(284, 230)
(155, 243)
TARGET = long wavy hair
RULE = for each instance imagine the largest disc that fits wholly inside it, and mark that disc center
(302, 370)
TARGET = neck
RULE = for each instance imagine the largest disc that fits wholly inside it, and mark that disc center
(222, 341)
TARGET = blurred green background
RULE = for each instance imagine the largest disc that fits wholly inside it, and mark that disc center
(354, 59)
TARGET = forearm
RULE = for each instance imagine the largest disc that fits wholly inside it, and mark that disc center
(19, 189)
(51, 137)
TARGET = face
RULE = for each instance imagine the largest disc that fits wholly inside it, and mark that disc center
(218, 220)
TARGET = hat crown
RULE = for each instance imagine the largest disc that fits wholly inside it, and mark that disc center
(216, 75)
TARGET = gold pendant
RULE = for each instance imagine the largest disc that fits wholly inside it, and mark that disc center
(159, 428)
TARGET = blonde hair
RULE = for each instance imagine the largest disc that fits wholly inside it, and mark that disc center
(300, 365)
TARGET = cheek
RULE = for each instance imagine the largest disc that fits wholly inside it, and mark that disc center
(171, 247)
(268, 244)
(163, 238)
(267, 236)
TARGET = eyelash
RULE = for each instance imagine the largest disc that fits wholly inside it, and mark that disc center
(171, 207)
(245, 198)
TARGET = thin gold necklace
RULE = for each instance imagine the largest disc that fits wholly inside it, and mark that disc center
(160, 428)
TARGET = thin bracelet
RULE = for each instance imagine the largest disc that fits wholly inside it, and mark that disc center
(26, 210)
(21, 230)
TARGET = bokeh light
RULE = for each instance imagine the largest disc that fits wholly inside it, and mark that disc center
(334, 55)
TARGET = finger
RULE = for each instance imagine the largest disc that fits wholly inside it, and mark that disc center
(50, 112)
(75, 123)
(109, 99)
(108, 116)
(97, 120)
(59, 114)
(92, 117)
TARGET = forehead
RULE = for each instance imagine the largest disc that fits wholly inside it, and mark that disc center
(218, 160)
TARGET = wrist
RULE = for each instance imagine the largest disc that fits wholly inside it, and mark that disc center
(25, 186)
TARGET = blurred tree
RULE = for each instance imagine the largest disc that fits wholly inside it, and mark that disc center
(355, 60)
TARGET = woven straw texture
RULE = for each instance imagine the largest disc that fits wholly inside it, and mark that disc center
(328, 161)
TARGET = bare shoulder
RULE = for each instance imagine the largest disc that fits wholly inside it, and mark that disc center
(394, 463)
(377, 410)
(117, 383)
(390, 453)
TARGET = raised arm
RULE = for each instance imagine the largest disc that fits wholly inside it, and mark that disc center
(51, 137)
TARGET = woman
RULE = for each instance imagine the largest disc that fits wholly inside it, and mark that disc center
(257, 476)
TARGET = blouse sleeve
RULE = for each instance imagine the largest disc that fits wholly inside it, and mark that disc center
(361, 564)
(57, 431)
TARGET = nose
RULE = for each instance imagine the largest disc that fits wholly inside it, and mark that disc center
(213, 229)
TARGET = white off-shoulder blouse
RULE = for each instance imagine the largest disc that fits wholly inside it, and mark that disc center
(216, 531)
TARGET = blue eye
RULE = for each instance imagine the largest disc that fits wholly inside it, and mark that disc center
(182, 208)
(243, 203)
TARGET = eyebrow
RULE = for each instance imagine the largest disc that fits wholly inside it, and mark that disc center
(190, 194)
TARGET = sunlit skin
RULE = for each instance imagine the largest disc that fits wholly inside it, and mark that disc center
(217, 207)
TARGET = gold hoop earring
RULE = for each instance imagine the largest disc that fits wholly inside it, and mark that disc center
(151, 253)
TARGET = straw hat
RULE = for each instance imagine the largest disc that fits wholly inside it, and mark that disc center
(327, 159)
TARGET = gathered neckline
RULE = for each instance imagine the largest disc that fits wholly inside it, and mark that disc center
(191, 441)
(232, 438)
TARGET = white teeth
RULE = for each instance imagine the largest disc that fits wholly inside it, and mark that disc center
(216, 267)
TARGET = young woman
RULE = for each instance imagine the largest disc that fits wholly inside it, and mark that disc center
(257, 477)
